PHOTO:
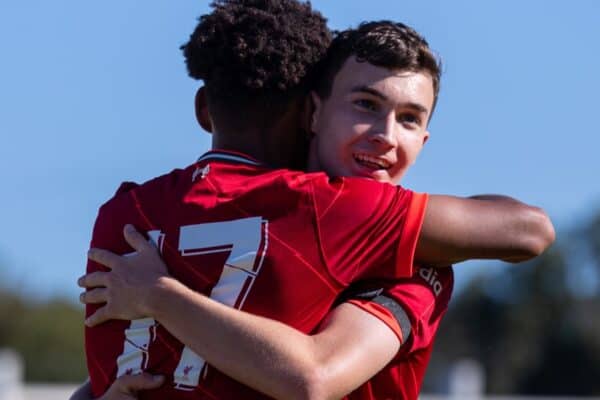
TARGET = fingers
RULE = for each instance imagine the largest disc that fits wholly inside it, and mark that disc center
(93, 279)
(94, 296)
(137, 240)
(100, 316)
(104, 257)
(127, 386)
(130, 384)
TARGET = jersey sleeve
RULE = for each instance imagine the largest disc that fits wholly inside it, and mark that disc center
(104, 343)
(368, 229)
(425, 297)
(386, 315)
(412, 308)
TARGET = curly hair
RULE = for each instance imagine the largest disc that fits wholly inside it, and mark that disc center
(248, 51)
(385, 44)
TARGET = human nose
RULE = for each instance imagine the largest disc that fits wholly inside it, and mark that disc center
(384, 132)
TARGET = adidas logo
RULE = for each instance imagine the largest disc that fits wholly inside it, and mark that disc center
(431, 277)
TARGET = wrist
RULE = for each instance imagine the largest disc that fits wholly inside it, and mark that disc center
(155, 298)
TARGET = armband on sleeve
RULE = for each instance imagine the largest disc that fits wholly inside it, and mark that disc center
(389, 311)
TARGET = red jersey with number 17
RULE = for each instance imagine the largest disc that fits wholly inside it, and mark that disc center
(276, 243)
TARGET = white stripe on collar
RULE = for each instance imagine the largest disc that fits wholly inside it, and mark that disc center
(227, 157)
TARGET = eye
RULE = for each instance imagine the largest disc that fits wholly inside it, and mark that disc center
(366, 104)
(410, 119)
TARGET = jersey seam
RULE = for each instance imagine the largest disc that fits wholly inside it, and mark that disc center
(283, 243)
(319, 235)
(337, 195)
(167, 247)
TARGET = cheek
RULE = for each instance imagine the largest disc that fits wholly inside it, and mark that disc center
(418, 148)
(360, 129)
(347, 122)
(337, 135)
(415, 145)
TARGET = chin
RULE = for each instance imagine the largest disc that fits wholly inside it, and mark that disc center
(396, 179)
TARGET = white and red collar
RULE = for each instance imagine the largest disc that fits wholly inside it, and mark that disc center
(230, 156)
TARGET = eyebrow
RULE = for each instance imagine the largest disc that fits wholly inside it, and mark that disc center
(374, 92)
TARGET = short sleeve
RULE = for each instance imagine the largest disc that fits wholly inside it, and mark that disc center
(368, 229)
(384, 314)
(425, 298)
(412, 307)
(103, 343)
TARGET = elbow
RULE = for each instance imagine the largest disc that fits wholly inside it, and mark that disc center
(543, 234)
(539, 234)
(313, 386)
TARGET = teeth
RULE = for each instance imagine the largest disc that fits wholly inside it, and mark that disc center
(383, 164)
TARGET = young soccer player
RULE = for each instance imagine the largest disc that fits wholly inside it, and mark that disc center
(368, 97)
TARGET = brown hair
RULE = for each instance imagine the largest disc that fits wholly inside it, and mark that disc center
(385, 44)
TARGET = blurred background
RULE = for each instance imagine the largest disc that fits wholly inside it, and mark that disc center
(94, 93)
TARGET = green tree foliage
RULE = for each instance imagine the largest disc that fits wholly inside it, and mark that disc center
(535, 327)
(49, 337)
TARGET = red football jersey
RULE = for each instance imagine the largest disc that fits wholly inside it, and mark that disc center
(424, 300)
(276, 243)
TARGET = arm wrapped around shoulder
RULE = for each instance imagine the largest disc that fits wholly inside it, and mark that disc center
(482, 227)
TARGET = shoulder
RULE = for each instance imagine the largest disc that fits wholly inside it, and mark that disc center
(156, 185)
(354, 194)
(133, 202)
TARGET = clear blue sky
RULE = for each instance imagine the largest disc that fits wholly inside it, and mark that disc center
(93, 93)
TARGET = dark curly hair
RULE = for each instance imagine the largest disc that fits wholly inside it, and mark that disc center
(385, 44)
(257, 54)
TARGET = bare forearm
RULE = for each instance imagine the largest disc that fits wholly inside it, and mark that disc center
(482, 227)
(264, 354)
(272, 357)
(530, 231)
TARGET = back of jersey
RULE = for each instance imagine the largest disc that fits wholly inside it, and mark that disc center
(245, 236)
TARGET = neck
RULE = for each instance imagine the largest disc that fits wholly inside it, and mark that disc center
(271, 150)
(248, 147)
(313, 159)
(279, 145)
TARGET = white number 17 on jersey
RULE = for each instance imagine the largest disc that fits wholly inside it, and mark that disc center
(242, 239)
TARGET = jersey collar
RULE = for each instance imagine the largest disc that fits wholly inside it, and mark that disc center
(229, 156)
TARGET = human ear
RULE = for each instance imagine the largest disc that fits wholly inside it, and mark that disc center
(425, 137)
(201, 107)
(317, 105)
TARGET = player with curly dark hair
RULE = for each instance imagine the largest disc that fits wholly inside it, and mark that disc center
(313, 237)
(256, 47)
(258, 56)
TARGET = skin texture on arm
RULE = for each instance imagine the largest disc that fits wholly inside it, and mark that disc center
(482, 227)
(266, 355)
(272, 357)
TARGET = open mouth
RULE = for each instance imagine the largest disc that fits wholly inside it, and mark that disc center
(371, 162)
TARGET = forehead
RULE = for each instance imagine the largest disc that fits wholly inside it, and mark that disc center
(397, 86)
